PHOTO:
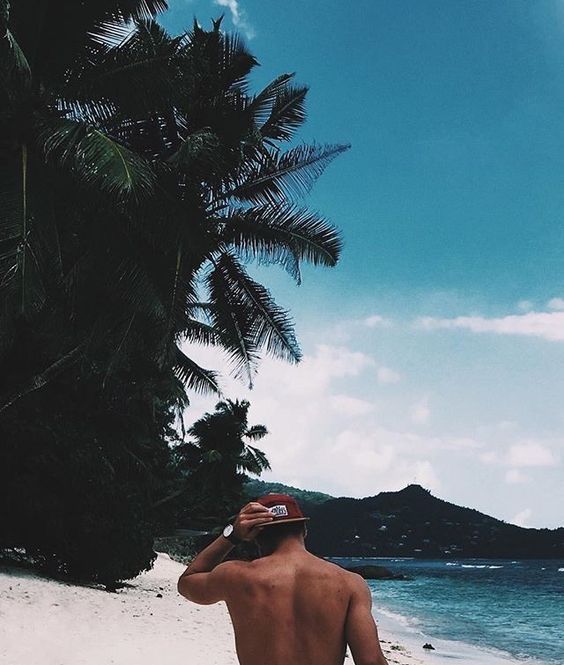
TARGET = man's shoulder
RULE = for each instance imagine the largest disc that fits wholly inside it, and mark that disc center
(232, 569)
(337, 571)
(353, 581)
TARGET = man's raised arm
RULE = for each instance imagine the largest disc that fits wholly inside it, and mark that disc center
(360, 628)
(206, 579)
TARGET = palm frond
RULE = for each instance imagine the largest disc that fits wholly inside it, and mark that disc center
(233, 321)
(269, 325)
(261, 105)
(13, 63)
(284, 175)
(212, 456)
(140, 9)
(253, 461)
(234, 62)
(95, 159)
(12, 236)
(180, 286)
(198, 153)
(109, 34)
(287, 115)
(286, 235)
(141, 73)
(98, 112)
(201, 333)
(45, 376)
(134, 287)
(193, 376)
(256, 432)
(260, 457)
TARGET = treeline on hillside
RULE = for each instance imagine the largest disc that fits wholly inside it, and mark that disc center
(255, 488)
(138, 176)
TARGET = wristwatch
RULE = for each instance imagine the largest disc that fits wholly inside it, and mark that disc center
(230, 535)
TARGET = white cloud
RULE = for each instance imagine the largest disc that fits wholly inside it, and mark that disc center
(321, 436)
(489, 457)
(350, 406)
(547, 325)
(346, 329)
(524, 454)
(376, 321)
(420, 412)
(506, 426)
(238, 16)
(330, 362)
(555, 303)
(379, 460)
(530, 454)
(525, 305)
(386, 375)
(516, 477)
(332, 429)
(522, 518)
(424, 474)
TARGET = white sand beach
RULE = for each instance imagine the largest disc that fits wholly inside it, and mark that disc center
(46, 622)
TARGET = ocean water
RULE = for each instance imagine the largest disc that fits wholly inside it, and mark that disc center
(516, 607)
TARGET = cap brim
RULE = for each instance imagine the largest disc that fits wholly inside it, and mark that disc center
(290, 519)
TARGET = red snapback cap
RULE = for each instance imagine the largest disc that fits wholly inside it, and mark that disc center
(283, 508)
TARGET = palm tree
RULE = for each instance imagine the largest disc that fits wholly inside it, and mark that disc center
(63, 181)
(157, 142)
(217, 458)
(138, 177)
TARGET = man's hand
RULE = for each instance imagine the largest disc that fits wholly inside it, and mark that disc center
(250, 520)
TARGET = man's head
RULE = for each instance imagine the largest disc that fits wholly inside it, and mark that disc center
(288, 523)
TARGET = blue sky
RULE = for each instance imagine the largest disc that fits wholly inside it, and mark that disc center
(438, 341)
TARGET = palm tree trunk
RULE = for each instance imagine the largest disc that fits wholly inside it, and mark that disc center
(41, 379)
(24, 220)
(170, 497)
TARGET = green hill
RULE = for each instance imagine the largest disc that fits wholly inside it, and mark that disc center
(411, 523)
(306, 498)
(414, 523)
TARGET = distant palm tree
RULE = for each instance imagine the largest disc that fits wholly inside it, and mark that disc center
(218, 456)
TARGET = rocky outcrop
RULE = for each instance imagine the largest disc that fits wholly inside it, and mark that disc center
(376, 573)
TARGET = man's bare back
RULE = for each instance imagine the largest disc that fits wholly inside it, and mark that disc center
(289, 607)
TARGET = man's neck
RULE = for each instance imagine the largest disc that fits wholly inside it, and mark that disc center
(290, 546)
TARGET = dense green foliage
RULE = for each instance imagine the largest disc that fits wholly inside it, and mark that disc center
(414, 523)
(138, 176)
(306, 498)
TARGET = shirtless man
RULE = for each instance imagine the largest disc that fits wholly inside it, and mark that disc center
(288, 607)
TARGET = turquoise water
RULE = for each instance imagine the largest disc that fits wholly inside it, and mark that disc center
(513, 606)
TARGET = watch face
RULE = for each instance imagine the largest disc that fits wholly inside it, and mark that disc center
(228, 530)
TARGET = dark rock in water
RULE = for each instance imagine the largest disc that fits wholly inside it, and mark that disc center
(159, 595)
(376, 573)
(428, 646)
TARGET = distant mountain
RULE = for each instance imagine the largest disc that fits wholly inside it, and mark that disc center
(306, 498)
(412, 522)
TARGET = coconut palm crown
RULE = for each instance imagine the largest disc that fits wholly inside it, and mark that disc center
(215, 459)
(139, 177)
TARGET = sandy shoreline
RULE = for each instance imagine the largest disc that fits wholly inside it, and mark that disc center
(44, 622)
(410, 643)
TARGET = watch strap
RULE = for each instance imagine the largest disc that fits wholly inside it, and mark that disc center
(232, 538)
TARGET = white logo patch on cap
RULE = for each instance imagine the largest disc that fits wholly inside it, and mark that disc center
(279, 511)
